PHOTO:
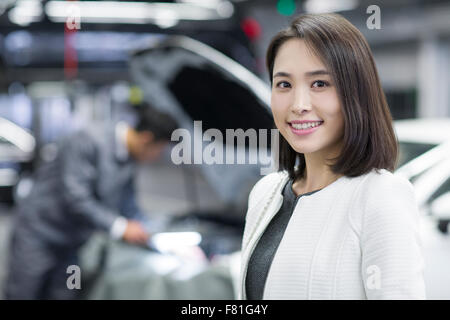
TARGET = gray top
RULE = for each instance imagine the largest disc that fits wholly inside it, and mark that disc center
(262, 256)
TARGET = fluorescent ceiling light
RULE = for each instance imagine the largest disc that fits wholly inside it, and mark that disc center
(162, 14)
(26, 12)
(224, 8)
(324, 6)
(202, 3)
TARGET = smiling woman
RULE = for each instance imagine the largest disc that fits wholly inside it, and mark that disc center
(334, 222)
(331, 57)
(305, 102)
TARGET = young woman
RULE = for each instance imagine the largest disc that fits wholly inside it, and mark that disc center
(334, 222)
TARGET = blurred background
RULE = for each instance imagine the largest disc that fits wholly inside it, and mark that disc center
(202, 60)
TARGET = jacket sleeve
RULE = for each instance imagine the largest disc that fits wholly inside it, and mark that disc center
(79, 174)
(392, 261)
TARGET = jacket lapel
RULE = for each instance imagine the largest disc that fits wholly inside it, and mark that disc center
(265, 211)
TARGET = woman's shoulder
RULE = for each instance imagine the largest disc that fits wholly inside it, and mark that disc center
(382, 181)
(266, 184)
(271, 177)
(382, 186)
(383, 198)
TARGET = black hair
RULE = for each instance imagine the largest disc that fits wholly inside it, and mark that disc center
(160, 123)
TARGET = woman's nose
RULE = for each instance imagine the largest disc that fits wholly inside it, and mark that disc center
(301, 101)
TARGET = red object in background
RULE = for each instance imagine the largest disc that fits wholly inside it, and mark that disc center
(251, 28)
(70, 53)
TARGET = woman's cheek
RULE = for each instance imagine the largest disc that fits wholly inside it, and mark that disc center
(278, 104)
(278, 118)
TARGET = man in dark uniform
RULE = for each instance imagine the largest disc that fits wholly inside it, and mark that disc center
(88, 187)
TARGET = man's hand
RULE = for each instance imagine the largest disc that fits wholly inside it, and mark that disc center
(135, 233)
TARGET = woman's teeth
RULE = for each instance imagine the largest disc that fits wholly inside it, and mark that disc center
(308, 125)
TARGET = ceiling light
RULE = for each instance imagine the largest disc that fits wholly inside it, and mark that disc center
(324, 6)
(162, 14)
(26, 12)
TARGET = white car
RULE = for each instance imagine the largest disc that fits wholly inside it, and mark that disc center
(16, 150)
(425, 161)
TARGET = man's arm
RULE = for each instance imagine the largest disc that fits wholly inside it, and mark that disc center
(79, 175)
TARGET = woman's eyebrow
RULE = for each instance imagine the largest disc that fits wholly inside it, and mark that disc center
(307, 74)
(282, 74)
(316, 73)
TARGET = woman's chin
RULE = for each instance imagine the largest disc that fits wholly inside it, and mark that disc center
(304, 150)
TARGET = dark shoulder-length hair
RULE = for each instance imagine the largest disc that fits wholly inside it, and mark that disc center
(369, 141)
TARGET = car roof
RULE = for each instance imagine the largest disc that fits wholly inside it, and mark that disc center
(426, 130)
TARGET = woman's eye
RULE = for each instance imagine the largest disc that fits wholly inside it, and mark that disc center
(320, 84)
(283, 84)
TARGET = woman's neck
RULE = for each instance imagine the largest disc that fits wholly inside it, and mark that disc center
(317, 175)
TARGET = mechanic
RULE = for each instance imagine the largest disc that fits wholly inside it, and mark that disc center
(89, 186)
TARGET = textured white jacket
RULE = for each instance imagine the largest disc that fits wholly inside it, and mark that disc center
(357, 238)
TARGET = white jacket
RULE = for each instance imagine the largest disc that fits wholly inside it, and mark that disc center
(357, 238)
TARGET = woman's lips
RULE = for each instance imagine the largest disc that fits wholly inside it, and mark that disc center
(302, 132)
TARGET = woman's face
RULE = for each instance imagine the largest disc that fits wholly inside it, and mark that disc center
(304, 102)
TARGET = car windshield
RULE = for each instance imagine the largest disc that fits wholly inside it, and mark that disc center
(411, 150)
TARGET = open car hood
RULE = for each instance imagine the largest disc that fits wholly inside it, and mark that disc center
(193, 81)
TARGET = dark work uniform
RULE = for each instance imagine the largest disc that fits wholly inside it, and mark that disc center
(262, 256)
(83, 190)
